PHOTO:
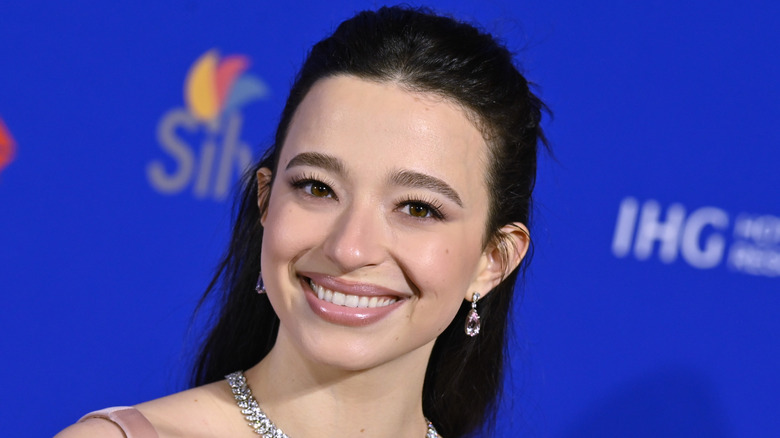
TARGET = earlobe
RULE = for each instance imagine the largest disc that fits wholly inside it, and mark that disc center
(501, 257)
(263, 191)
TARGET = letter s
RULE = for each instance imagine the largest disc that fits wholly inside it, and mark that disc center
(177, 149)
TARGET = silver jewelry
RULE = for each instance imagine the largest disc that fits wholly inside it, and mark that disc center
(472, 319)
(260, 288)
(259, 421)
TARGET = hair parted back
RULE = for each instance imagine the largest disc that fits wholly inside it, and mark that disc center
(422, 52)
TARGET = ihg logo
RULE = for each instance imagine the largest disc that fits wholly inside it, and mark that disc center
(704, 238)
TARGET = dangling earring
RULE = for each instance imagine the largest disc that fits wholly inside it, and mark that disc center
(472, 319)
(260, 288)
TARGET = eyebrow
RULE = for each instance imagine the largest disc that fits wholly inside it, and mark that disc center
(316, 159)
(408, 178)
(404, 178)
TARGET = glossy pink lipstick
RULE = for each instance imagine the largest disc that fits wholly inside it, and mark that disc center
(350, 304)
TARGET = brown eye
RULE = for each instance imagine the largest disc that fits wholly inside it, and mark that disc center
(418, 210)
(319, 190)
(312, 187)
(421, 209)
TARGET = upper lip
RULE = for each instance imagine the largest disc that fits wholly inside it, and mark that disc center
(352, 287)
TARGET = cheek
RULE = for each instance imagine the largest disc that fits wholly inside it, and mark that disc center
(286, 232)
(442, 271)
(442, 266)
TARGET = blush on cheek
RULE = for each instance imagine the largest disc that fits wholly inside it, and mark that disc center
(291, 231)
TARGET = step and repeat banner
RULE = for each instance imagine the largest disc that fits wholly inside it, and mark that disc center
(650, 308)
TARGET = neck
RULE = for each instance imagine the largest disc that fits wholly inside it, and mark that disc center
(308, 399)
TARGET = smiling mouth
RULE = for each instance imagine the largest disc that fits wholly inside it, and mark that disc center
(348, 300)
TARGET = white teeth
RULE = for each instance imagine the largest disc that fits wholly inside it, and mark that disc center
(352, 301)
(342, 299)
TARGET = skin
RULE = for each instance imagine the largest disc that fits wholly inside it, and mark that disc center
(422, 244)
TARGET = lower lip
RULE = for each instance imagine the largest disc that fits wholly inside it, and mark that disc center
(342, 315)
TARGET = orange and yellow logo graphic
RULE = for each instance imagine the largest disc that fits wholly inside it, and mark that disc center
(217, 86)
(7, 146)
(202, 141)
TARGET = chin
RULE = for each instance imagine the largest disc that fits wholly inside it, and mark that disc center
(350, 353)
(340, 348)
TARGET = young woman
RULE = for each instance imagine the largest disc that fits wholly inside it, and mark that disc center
(387, 225)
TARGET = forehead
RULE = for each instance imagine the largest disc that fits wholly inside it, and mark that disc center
(381, 124)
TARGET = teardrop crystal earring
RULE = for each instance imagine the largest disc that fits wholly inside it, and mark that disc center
(472, 319)
(260, 288)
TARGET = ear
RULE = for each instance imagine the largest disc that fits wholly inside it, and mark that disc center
(501, 256)
(263, 190)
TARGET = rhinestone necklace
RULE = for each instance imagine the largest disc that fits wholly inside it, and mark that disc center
(259, 421)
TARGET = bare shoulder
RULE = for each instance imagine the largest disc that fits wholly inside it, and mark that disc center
(91, 428)
(204, 411)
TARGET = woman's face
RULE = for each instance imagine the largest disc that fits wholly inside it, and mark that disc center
(374, 227)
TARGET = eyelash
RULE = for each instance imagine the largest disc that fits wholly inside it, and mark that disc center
(301, 181)
(433, 206)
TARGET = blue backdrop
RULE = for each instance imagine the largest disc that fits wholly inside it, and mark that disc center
(651, 305)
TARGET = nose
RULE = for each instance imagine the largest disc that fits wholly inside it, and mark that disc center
(357, 238)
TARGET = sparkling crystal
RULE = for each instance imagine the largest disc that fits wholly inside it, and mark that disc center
(260, 422)
(472, 323)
